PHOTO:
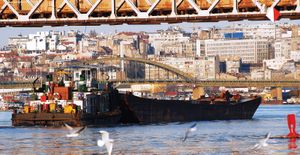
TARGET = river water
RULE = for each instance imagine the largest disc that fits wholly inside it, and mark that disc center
(210, 138)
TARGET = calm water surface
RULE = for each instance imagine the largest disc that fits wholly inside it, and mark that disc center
(212, 137)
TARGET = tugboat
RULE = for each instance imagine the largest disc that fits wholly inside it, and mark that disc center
(68, 101)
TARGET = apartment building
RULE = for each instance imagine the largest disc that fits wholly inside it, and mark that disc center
(249, 50)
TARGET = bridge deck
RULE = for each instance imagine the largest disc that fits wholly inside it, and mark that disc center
(97, 12)
(203, 83)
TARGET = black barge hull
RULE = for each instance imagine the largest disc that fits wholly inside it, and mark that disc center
(157, 111)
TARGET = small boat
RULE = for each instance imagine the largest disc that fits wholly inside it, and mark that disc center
(144, 110)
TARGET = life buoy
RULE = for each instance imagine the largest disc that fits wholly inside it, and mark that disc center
(56, 96)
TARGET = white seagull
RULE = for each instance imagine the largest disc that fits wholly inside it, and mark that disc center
(74, 133)
(106, 141)
(263, 142)
(190, 129)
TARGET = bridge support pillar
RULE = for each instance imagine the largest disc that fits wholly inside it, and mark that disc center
(277, 92)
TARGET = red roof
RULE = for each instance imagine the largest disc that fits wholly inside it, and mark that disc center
(25, 59)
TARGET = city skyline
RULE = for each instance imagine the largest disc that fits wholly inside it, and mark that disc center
(106, 29)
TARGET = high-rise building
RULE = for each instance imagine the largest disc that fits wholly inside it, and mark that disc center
(249, 50)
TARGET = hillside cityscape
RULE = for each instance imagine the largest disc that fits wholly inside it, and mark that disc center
(256, 52)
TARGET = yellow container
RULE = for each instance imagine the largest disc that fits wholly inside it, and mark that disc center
(26, 109)
(52, 107)
(68, 109)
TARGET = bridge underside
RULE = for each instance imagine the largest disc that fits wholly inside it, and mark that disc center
(96, 12)
(153, 20)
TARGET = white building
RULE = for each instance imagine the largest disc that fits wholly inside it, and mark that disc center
(18, 42)
(249, 50)
(233, 65)
(53, 42)
(37, 42)
(69, 56)
(168, 41)
(200, 48)
(88, 44)
(280, 64)
(295, 55)
(282, 48)
(275, 64)
(61, 47)
(260, 74)
(270, 31)
(69, 42)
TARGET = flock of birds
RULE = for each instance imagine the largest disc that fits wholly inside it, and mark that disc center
(108, 143)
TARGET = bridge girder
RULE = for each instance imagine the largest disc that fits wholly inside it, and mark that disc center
(97, 12)
(203, 83)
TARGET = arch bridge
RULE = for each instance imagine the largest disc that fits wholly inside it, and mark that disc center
(96, 12)
(179, 75)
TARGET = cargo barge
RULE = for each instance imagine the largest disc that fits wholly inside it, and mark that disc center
(144, 110)
(127, 108)
(71, 102)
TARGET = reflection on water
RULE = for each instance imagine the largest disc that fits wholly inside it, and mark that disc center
(212, 137)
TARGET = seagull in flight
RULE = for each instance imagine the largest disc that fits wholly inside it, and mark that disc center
(263, 142)
(190, 129)
(74, 133)
(106, 141)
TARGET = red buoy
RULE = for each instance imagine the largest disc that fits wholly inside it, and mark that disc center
(292, 126)
(291, 118)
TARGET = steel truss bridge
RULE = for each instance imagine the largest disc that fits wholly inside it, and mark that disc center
(33, 13)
